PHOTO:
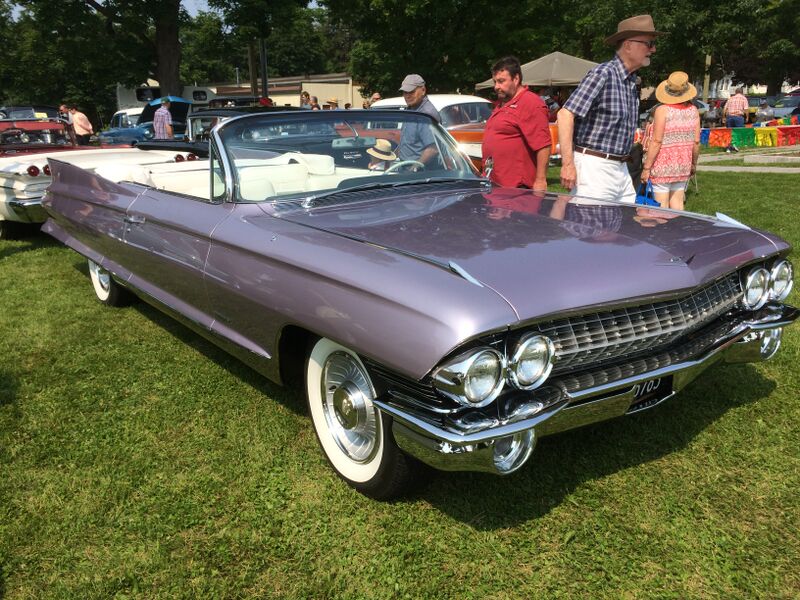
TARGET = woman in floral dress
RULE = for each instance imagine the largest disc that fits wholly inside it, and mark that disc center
(673, 149)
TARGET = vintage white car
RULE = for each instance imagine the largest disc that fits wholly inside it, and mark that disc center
(23, 179)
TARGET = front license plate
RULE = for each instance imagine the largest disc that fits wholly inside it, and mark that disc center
(649, 393)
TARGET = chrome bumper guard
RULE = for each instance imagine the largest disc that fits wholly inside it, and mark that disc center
(28, 211)
(476, 442)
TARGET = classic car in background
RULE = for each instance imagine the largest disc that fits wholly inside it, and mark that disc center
(36, 111)
(24, 176)
(26, 136)
(125, 134)
(430, 316)
(125, 118)
(785, 106)
(462, 115)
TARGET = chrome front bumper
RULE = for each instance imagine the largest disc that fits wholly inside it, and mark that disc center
(474, 441)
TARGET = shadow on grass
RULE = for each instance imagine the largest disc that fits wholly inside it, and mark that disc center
(289, 397)
(32, 239)
(2, 583)
(562, 463)
(8, 388)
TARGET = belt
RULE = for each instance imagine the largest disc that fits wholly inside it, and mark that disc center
(605, 155)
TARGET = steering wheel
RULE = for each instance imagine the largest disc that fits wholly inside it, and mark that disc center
(404, 163)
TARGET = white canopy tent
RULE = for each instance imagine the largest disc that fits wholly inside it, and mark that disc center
(554, 69)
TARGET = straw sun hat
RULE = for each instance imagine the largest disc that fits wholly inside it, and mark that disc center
(675, 89)
(382, 149)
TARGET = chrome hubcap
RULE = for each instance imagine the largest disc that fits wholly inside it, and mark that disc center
(347, 405)
(101, 275)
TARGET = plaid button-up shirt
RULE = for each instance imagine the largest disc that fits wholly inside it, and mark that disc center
(161, 119)
(606, 108)
(737, 105)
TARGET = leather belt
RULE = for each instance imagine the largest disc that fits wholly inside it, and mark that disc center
(605, 155)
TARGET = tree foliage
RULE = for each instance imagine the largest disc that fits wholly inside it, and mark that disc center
(55, 50)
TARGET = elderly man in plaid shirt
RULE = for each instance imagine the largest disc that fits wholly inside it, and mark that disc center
(162, 122)
(735, 111)
(597, 124)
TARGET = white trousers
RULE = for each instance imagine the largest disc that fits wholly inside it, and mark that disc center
(603, 179)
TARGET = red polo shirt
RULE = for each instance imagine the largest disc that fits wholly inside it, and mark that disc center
(514, 133)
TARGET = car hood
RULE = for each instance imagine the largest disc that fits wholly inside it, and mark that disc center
(548, 254)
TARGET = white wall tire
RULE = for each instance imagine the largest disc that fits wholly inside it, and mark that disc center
(355, 437)
(106, 289)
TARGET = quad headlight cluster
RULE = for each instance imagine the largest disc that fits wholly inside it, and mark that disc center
(476, 377)
(761, 285)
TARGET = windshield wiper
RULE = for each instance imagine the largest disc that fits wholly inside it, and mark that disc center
(309, 201)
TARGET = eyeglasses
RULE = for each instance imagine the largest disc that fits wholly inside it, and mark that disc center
(650, 44)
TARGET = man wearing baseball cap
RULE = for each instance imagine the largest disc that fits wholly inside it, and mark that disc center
(416, 141)
(597, 123)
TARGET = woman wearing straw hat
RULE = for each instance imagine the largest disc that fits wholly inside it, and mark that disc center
(675, 144)
(381, 154)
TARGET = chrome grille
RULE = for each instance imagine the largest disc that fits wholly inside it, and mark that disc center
(600, 337)
(637, 366)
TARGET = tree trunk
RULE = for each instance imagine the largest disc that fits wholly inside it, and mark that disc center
(168, 48)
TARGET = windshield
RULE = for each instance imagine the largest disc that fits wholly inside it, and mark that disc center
(465, 113)
(787, 102)
(306, 154)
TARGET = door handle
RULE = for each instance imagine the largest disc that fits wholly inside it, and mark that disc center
(134, 219)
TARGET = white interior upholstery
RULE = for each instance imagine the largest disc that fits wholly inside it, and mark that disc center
(289, 173)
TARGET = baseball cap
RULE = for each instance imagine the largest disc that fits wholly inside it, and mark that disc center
(411, 82)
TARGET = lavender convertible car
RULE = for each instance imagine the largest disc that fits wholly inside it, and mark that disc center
(431, 317)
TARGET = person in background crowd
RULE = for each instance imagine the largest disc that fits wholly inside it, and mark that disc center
(315, 103)
(381, 155)
(63, 112)
(305, 100)
(333, 103)
(347, 106)
(81, 125)
(735, 110)
(516, 140)
(673, 150)
(597, 123)
(162, 122)
(416, 141)
(374, 98)
(764, 112)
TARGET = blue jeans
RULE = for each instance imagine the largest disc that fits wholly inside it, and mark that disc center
(735, 121)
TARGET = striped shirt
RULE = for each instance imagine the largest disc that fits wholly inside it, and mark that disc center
(161, 119)
(606, 108)
(737, 105)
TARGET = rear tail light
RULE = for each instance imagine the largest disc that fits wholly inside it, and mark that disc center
(33, 171)
(179, 158)
(46, 170)
(191, 156)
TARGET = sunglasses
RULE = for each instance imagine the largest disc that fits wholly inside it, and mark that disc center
(651, 44)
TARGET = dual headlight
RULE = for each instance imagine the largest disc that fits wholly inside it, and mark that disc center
(476, 377)
(761, 285)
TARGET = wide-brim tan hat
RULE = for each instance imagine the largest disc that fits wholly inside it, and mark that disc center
(333, 100)
(639, 25)
(675, 89)
(382, 149)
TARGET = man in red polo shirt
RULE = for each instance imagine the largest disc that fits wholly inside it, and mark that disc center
(516, 141)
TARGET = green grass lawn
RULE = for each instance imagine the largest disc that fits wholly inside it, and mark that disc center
(139, 461)
(739, 162)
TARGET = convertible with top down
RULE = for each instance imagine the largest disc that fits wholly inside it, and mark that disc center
(430, 316)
